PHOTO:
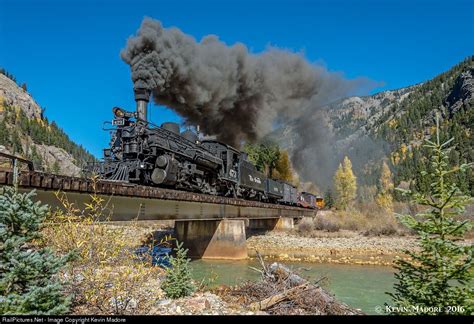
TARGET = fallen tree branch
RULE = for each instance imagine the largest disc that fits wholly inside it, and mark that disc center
(275, 299)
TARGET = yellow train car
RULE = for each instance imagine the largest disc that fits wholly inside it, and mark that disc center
(320, 202)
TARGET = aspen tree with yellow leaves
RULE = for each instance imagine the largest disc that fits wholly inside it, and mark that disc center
(384, 198)
(345, 185)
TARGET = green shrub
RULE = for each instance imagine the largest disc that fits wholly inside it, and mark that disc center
(28, 276)
(178, 282)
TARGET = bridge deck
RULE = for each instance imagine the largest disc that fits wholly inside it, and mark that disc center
(149, 203)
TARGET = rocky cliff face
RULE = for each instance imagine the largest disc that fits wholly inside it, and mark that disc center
(19, 115)
(14, 96)
(462, 92)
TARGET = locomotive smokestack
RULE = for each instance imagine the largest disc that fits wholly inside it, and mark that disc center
(142, 96)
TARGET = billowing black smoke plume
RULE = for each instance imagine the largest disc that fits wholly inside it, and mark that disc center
(229, 92)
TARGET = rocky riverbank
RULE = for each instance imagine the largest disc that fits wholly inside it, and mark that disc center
(202, 303)
(344, 248)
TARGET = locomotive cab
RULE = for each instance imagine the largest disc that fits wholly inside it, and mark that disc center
(228, 155)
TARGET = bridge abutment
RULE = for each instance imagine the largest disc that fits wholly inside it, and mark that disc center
(213, 239)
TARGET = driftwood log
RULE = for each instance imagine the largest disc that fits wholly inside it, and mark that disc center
(275, 299)
(299, 292)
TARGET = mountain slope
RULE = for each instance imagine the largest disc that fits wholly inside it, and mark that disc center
(388, 125)
(24, 131)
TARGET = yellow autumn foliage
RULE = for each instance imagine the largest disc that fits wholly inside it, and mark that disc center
(345, 185)
(384, 197)
(283, 167)
(106, 278)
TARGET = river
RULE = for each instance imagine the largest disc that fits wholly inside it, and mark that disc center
(360, 286)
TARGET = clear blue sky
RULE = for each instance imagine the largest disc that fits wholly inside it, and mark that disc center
(68, 51)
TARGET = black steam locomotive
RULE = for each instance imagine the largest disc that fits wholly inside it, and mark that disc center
(162, 156)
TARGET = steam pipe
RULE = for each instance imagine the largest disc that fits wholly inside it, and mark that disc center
(142, 96)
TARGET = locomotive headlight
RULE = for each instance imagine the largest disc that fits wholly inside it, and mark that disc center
(118, 112)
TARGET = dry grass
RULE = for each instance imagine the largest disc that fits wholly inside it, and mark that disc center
(327, 224)
(370, 220)
(106, 278)
(367, 220)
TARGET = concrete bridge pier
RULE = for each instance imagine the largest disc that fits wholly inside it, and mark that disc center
(271, 224)
(213, 239)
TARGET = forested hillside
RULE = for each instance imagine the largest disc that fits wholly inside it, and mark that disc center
(451, 96)
(25, 131)
(390, 126)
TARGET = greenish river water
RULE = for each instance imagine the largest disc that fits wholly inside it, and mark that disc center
(360, 286)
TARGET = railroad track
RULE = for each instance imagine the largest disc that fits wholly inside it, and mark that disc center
(52, 182)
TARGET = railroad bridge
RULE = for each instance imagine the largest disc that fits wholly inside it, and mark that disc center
(210, 227)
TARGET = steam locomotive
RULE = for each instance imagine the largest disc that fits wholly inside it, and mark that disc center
(163, 156)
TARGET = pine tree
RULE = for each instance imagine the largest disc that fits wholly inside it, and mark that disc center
(345, 185)
(178, 282)
(328, 199)
(56, 168)
(16, 143)
(4, 138)
(28, 283)
(384, 197)
(439, 275)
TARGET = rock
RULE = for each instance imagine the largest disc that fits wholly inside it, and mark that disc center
(52, 154)
(13, 95)
(462, 92)
(123, 303)
(164, 302)
(132, 303)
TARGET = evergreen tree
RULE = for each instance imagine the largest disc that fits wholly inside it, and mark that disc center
(56, 168)
(384, 197)
(4, 138)
(439, 275)
(16, 143)
(178, 282)
(28, 283)
(328, 199)
(36, 159)
(345, 185)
